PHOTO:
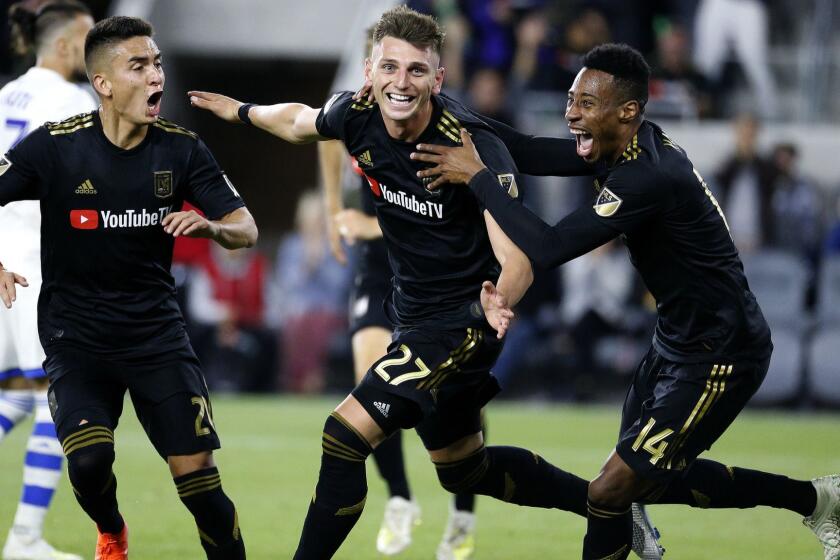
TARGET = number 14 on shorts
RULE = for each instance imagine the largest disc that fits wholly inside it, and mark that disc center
(653, 444)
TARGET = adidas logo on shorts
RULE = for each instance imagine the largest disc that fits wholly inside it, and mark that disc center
(384, 408)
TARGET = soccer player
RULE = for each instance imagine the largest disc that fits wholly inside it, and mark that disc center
(441, 248)
(371, 331)
(46, 92)
(711, 348)
(111, 183)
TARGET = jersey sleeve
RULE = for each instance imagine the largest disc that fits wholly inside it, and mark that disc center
(208, 187)
(496, 157)
(25, 168)
(331, 118)
(632, 195)
(541, 155)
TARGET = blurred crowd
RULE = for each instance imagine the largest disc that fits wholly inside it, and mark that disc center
(702, 52)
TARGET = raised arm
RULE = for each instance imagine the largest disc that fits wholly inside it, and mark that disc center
(293, 122)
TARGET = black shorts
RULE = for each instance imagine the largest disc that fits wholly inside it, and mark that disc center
(169, 396)
(367, 302)
(675, 411)
(436, 381)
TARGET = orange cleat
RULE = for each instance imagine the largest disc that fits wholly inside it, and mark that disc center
(111, 546)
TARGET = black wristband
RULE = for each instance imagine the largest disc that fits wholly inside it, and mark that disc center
(243, 112)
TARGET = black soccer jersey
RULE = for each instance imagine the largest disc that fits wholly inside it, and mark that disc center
(675, 231)
(105, 258)
(437, 241)
(373, 255)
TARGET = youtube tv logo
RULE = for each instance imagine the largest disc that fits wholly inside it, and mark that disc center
(84, 219)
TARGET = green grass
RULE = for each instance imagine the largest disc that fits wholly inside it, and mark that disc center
(269, 465)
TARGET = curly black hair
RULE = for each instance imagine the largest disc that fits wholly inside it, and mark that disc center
(626, 65)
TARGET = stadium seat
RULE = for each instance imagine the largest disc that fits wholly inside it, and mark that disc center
(824, 367)
(828, 292)
(779, 281)
(784, 378)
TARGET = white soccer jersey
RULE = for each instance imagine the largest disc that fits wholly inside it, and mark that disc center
(40, 95)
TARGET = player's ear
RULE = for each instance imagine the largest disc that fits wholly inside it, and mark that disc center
(62, 46)
(628, 111)
(439, 74)
(102, 85)
(368, 69)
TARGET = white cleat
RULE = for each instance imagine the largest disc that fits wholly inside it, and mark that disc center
(458, 541)
(645, 536)
(20, 546)
(401, 516)
(825, 521)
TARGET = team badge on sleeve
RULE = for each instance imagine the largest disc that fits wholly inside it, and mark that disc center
(5, 164)
(607, 203)
(508, 182)
(163, 184)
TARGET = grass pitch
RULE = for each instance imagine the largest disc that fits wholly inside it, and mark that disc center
(269, 466)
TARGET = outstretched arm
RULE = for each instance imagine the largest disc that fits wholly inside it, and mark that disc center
(293, 122)
(549, 246)
(541, 155)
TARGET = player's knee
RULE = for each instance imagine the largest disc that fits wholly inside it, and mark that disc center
(342, 486)
(464, 475)
(612, 488)
(90, 455)
(342, 441)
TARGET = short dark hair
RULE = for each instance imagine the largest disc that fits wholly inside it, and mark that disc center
(28, 29)
(626, 65)
(113, 30)
(413, 27)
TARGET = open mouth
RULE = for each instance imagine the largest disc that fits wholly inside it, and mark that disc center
(399, 99)
(153, 103)
(584, 141)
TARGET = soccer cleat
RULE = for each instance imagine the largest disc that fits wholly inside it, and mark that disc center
(458, 541)
(20, 546)
(111, 546)
(825, 521)
(645, 535)
(401, 516)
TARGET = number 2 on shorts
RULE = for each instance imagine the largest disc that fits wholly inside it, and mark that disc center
(199, 419)
(422, 369)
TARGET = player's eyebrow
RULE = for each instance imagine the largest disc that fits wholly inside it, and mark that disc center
(572, 94)
(142, 58)
(397, 62)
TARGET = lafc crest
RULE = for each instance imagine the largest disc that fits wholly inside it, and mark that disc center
(508, 182)
(163, 184)
(607, 203)
(4, 165)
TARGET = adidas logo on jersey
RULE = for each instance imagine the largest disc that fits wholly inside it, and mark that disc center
(384, 408)
(365, 159)
(86, 188)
